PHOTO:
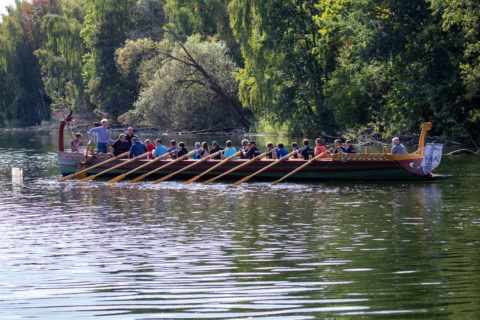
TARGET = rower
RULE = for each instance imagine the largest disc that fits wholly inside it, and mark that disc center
(119, 146)
(215, 148)
(307, 152)
(338, 147)
(137, 148)
(229, 150)
(349, 147)
(160, 150)
(320, 148)
(181, 149)
(270, 150)
(173, 150)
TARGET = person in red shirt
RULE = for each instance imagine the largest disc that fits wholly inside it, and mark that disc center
(150, 147)
(320, 148)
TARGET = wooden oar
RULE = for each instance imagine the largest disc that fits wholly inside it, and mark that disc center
(214, 167)
(264, 168)
(73, 175)
(187, 167)
(298, 169)
(116, 167)
(236, 168)
(157, 169)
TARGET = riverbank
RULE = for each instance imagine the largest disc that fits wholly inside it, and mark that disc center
(83, 123)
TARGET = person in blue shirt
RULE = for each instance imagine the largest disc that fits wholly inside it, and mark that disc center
(173, 150)
(349, 147)
(160, 150)
(229, 151)
(281, 151)
(197, 149)
(102, 136)
(137, 148)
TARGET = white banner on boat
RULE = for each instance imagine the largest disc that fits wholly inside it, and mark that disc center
(432, 154)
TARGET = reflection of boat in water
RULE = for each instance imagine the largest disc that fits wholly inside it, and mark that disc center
(357, 166)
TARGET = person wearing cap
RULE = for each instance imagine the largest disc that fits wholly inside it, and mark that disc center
(160, 150)
(129, 136)
(173, 150)
(245, 147)
(270, 150)
(397, 147)
(181, 149)
(229, 150)
(120, 145)
(320, 148)
(216, 148)
(137, 148)
(252, 152)
(103, 136)
(197, 150)
(338, 148)
(349, 147)
(307, 152)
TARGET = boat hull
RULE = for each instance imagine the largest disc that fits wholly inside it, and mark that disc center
(359, 167)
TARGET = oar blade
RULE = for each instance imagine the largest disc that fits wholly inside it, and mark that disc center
(89, 178)
(118, 178)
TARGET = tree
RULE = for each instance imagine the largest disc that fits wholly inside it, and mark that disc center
(194, 87)
(282, 79)
(105, 29)
(23, 101)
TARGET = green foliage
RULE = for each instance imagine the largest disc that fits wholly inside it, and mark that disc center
(22, 99)
(105, 29)
(192, 86)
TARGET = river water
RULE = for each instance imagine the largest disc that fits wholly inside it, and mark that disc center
(327, 250)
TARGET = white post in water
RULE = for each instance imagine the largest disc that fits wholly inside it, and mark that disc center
(17, 175)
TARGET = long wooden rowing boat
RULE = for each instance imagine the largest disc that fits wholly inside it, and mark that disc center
(359, 166)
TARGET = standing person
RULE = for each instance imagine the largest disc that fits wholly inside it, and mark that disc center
(181, 149)
(397, 147)
(338, 147)
(129, 136)
(245, 147)
(281, 151)
(295, 148)
(150, 147)
(215, 148)
(204, 150)
(120, 145)
(160, 150)
(270, 150)
(103, 136)
(320, 148)
(137, 148)
(252, 152)
(197, 149)
(173, 150)
(77, 142)
(349, 147)
(307, 152)
(229, 151)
